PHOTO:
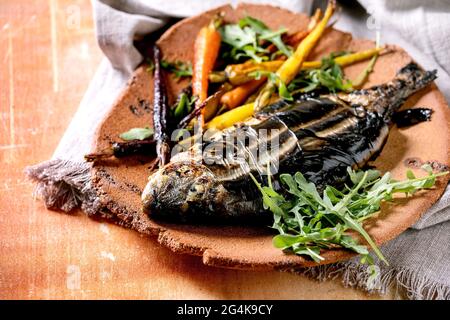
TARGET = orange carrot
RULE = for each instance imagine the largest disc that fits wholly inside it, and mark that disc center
(206, 50)
(237, 96)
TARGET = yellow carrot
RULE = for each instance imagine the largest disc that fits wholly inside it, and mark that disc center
(291, 66)
(238, 74)
(289, 69)
(231, 117)
(358, 56)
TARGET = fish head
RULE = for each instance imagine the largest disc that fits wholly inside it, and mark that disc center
(180, 190)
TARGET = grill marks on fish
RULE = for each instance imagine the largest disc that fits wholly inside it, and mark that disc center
(336, 141)
(299, 131)
(253, 152)
(293, 128)
(324, 160)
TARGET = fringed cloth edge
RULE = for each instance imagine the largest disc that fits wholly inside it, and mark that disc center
(410, 283)
(65, 185)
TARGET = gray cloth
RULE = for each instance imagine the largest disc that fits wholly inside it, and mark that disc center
(419, 258)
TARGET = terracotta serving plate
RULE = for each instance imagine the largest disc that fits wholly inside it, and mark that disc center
(120, 182)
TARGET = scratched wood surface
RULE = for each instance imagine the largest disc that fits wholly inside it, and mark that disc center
(48, 56)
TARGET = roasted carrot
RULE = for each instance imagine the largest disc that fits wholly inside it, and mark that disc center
(290, 67)
(239, 74)
(246, 86)
(124, 149)
(237, 96)
(217, 77)
(231, 117)
(160, 111)
(356, 57)
(206, 50)
(293, 64)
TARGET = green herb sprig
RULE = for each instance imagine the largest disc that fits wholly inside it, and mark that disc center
(329, 76)
(184, 105)
(308, 221)
(246, 38)
(273, 78)
(179, 68)
(137, 134)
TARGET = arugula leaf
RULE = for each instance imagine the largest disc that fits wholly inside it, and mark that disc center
(237, 36)
(307, 221)
(246, 37)
(179, 68)
(243, 42)
(328, 76)
(184, 106)
(266, 34)
(257, 25)
(137, 134)
(180, 108)
(283, 91)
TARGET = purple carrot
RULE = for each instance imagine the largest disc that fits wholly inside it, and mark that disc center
(160, 111)
(124, 149)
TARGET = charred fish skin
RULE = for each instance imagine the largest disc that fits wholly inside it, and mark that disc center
(187, 191)
(411, 117)
(320, 137)
(387, 98)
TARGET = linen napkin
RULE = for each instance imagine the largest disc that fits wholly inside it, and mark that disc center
(419, 258)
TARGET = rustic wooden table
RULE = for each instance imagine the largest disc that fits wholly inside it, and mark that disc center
(48, 56)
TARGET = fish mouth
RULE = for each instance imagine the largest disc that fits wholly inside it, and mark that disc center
(179, 190)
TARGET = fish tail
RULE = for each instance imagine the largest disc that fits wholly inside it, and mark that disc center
(412, 78)
(409, 79)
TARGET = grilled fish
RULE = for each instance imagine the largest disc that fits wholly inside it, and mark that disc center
(319, 137)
